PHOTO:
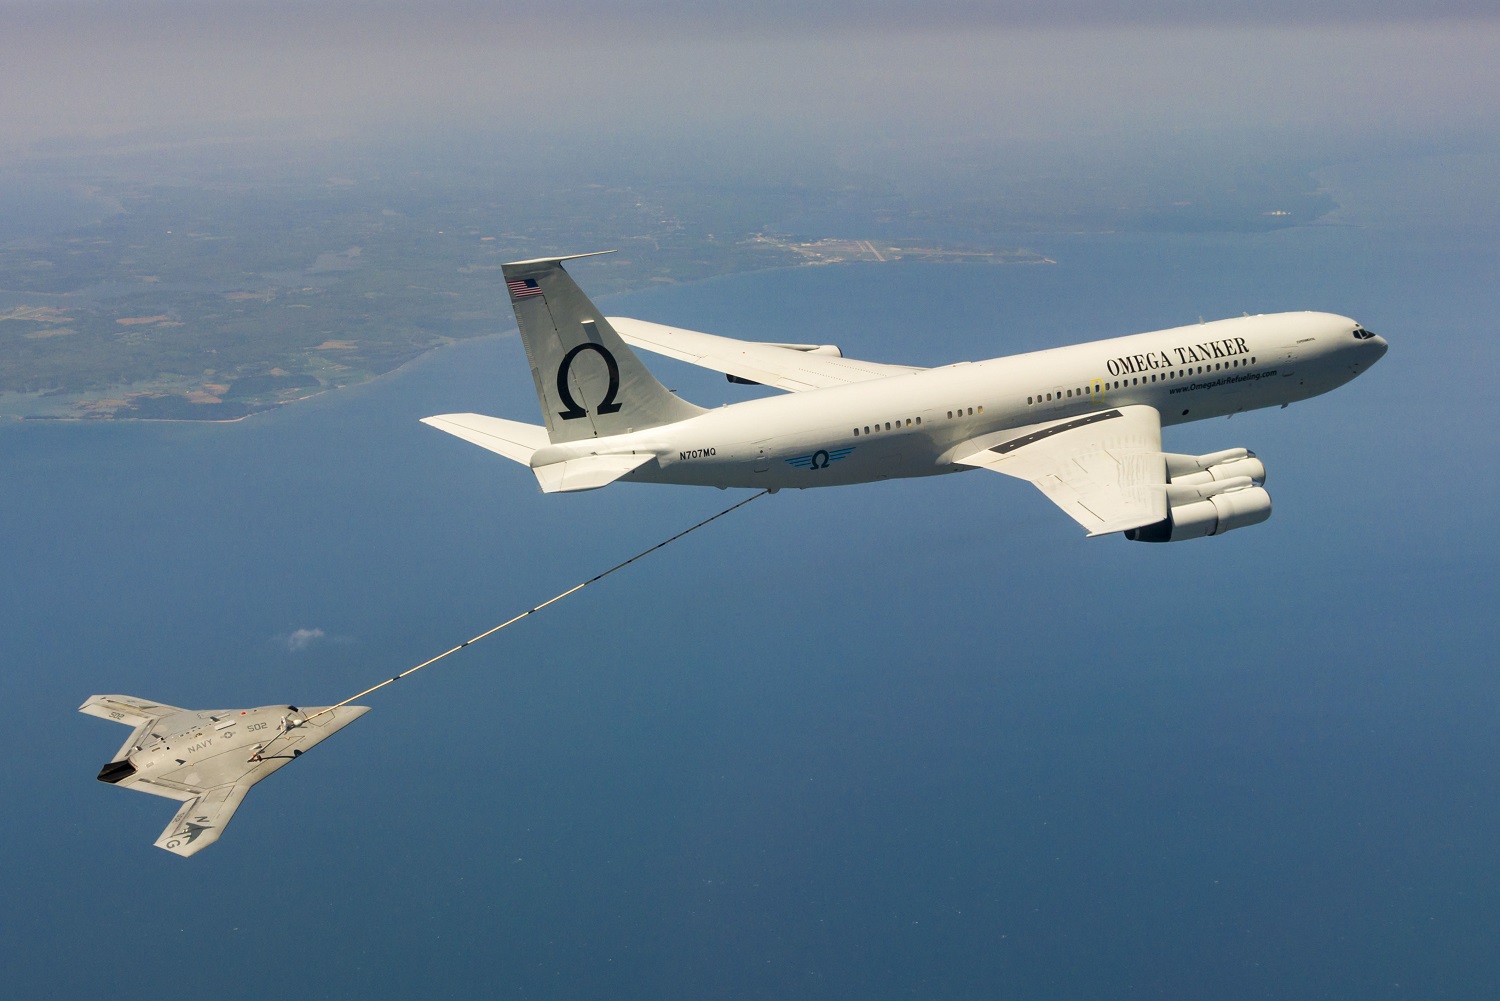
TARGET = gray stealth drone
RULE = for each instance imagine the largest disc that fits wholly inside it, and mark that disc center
(209, 759)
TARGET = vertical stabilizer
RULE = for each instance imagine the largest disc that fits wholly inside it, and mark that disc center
(589, 382)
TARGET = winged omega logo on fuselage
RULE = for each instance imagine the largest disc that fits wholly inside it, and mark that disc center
(820, 459)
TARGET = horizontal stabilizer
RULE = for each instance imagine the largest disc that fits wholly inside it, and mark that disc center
(557, 260)
(589, 472)
(512, 439)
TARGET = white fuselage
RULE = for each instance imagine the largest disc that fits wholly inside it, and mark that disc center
(911, 424)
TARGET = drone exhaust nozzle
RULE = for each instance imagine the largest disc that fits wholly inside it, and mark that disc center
(116, 771)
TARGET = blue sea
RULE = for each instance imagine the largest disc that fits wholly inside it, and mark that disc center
(908, 740)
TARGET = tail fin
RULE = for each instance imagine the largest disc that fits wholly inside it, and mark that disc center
(589, 382)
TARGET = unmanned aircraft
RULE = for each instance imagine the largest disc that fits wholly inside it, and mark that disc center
(209, 759)
(1082, 423)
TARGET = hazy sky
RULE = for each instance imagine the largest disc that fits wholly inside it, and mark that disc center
(950, 68)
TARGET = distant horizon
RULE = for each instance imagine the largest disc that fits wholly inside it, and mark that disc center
(861, 68)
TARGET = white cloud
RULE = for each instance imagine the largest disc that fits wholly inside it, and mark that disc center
(300, 639)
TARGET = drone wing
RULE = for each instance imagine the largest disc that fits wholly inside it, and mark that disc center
(202, 819)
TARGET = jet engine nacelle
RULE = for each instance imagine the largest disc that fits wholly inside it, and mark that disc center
(1213, 515)
(812, 349)
(1195, 469)
(1209, 495)
(1249, 466)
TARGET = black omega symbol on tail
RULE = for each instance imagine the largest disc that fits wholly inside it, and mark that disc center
(606, 405)
(819, 460)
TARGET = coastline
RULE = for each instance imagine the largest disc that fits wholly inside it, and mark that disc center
(122, 413)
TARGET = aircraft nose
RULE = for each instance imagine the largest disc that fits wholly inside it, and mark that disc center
(1371, 343)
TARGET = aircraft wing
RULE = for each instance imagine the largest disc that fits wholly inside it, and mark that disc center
(139, 714)
(201, 820)
(1106, 469)
(793, 367)
(127, 709)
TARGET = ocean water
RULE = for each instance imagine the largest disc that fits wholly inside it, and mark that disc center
(907, 740)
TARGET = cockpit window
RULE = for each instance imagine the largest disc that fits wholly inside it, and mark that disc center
(1360, 333)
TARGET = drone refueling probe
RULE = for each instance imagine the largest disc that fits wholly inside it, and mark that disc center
(555, 598)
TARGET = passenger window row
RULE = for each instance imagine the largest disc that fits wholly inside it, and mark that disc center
(1100, 386)
(894, 425)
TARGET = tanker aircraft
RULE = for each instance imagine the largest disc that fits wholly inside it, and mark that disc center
(1082, 423)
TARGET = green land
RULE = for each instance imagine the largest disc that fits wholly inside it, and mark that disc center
(237, 281)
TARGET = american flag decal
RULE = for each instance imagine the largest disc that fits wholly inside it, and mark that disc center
(520, 288)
